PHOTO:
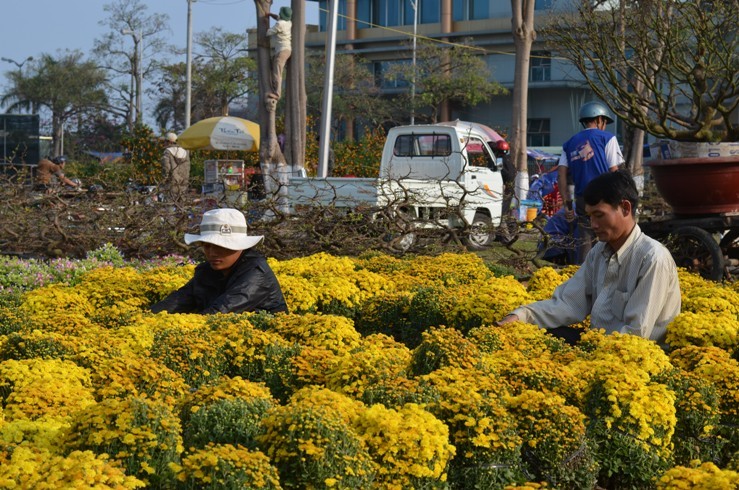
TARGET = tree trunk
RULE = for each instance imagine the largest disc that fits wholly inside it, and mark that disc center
(522, 23)
(270, 156)
(57, 131)
(296, 117)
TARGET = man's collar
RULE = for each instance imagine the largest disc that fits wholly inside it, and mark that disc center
(609, 252)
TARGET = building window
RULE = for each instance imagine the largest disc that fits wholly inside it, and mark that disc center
(538, 132)
(430, 11)
(540, 68)
(323, 8)
(470, 9)
(364, 14)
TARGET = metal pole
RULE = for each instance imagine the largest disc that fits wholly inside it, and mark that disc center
(188, 84)
(328, 87)
(414, 3)
(139, 77)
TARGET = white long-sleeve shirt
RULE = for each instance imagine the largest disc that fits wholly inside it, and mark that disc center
(281, 34)
(634, 290)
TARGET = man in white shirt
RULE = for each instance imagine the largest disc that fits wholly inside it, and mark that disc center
(281, 40)
(628, 282)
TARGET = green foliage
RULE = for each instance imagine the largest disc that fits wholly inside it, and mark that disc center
(190, 354)
(455, 73)
(107, 253)
(697, 412)
(227, 421)
(65, 84)
(146, 153)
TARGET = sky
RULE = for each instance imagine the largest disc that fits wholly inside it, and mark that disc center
(33, 27)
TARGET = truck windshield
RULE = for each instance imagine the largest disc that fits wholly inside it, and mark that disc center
(412, 145)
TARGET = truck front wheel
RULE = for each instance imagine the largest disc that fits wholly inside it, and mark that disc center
(481, 233)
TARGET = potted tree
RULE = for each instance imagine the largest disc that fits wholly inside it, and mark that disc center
(670, 69)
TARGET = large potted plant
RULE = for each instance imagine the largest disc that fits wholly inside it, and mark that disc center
(670, 69)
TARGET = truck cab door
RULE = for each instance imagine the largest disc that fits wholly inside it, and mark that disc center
(482, 171)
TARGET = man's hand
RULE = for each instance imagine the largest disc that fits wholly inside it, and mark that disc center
(509, 318)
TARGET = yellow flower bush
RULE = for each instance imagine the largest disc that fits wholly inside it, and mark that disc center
(322, 283)
(228, 412)
(37, 344)
(137, 376)
(631, 421)
(26, 468)
(255, 354)
(54, 299)
(144, 436)
(554, 439)
(376, 359)
(410, 446)
(225, 467)
(698, 416)
(486, 303)
(629, 350)
(332, 332)
(313, 445)
(472, 404)
(106, 286)
(516, 339)
(705, 476)
(442, 347)
(543, 282)
(44, 433)
(704, 329)
(713, 298)
(190, 353)
(35, 388)
(543, 375)
(388, 373)
(716, 366)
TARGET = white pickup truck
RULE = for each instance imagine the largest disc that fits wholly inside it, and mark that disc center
(442, 176)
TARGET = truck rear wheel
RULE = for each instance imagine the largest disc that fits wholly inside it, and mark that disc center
(481, 233)
(696, 250)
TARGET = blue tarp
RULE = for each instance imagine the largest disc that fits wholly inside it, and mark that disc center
(105, 157)
(540, 155)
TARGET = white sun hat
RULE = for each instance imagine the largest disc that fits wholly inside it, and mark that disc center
(225, 228)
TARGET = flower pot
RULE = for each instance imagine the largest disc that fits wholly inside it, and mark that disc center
(698, 185)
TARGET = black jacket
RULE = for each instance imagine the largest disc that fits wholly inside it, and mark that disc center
(251, 286)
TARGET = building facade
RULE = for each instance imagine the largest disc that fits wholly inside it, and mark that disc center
(379, 31)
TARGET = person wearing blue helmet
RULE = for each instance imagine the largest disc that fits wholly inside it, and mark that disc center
(588, 154)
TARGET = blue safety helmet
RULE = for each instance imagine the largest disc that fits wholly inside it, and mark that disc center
(59, 160)
(591, 110)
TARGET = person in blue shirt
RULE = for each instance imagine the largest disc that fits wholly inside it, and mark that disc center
(590, 153)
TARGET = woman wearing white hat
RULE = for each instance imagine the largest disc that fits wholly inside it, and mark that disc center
(234, 279)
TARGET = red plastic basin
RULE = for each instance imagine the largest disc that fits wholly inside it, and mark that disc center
(698, 185)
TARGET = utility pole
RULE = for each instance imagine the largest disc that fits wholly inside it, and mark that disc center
(414, 4)
(328, 90)
(188, 76)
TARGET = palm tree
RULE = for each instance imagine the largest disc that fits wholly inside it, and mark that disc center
(67, 86)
